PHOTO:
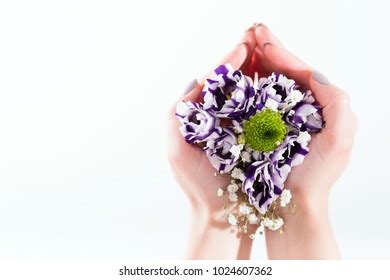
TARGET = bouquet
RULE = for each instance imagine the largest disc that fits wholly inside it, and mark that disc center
(255, 130)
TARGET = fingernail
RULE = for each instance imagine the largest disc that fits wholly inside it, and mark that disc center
(252, 27)
(320, 78)
(260, 24)
(245, 44)
(190, 86)
(267, 44)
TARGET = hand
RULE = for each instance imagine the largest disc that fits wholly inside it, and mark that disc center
(189, 163)
(211, 236)
(308, 233)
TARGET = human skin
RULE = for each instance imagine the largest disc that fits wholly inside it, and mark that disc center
(210, 235)
(307, 232)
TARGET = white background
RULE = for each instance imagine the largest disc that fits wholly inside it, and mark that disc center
(84, 90)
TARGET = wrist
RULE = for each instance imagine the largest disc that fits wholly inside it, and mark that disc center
(307, 233)
(311, 205)
(211, 237)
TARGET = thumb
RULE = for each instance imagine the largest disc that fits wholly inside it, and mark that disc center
(324, 91)
(341, 122)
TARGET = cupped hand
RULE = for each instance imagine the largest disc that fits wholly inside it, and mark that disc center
(190, 165)
(209, 237)
(308, 233)
(330, 149)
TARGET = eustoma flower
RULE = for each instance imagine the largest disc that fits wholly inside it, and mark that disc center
(198, 125)
(256, 131)
(266, 176)
(221, 151)
(229, 93)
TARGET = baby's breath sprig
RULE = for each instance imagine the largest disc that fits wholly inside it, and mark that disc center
(246, 218)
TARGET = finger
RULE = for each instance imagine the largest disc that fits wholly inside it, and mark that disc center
(236, 58)
(275, 58)
(177, 146)
(325, 92)
(255, 65)
(278, 59)
(264, 35)
(340, 126)
(249, 41)
(340, 121)
(239, 56)
(191, 93)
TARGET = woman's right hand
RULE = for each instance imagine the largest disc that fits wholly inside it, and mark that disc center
(190, 165)
(211, 237)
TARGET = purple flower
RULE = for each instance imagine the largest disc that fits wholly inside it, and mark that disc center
(264, 183)
(279, 93)
(306, 115)
(229, 93)
(266, 176)
(220, 151)
(198, 125)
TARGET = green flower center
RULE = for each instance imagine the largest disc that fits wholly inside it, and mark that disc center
(265, 131)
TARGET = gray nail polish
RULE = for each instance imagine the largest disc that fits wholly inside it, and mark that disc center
(320, 78)
(190, 86)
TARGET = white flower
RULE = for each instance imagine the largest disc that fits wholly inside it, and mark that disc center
(295, 96)
(233, 197)
(267, 222)
(232, 219)
(246, 156)
(253, 219)
(232, 188)
(278, 223)
(244, 209)
(285, 82)
(256, 155)
(274, 224)
(303, 137)
(236, 150)
(220, 192)
(208, 98)
(248, 149)
(262, 211)
(271, 104)
(237, 128)
(285, 197)
(237, 173)
(183, 109)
